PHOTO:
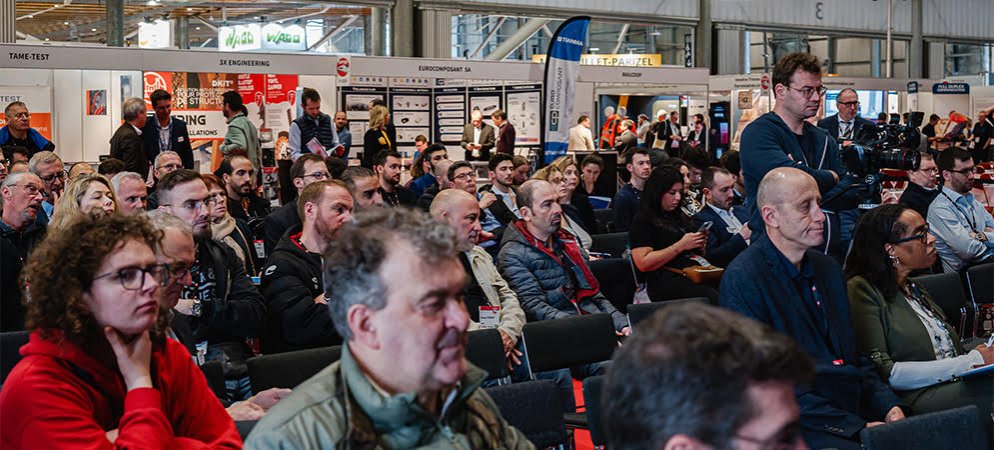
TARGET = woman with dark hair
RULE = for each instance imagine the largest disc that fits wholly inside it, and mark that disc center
(663, 241)
(98, 371)
(899, 326)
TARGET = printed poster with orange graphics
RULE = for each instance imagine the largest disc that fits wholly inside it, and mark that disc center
(39, 102)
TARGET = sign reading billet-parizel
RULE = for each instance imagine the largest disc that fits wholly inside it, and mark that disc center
(622, 60)
(272, 36)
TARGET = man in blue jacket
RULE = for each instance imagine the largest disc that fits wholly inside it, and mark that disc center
(729, 233)
(783, 138)
(780, 281)
(165, 132)
(18, 131)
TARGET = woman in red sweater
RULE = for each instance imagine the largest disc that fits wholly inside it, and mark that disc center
(98, 371)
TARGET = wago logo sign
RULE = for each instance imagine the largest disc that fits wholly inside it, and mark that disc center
(272, 36)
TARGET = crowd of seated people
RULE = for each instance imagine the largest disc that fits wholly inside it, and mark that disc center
(399, 275)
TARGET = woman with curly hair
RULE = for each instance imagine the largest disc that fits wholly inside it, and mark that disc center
(86, 194)
(98, 371)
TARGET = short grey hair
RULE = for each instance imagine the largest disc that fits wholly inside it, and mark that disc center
(353, 260)
(15, 178)
(121, 176)
(158, 158)
(43, 157)
(163, 221)
(131, 108)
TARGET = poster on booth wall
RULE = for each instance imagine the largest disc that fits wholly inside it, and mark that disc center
(39, 103)
(450, 111)
(410, 109)
(96, 102)
(355, 100)
(524, 111)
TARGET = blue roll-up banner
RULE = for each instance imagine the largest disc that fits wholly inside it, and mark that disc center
(562, 68)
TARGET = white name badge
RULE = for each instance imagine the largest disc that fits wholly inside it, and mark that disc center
(490, 316)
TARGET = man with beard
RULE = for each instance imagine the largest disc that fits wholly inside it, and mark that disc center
(544, 265)
(221, 305)
(387, 166)
(20, 229)
(730, 232)
(963, 229)
(498, 200)
(307, 169)
(364, 186)
(291, 280)
(403, 380)
(780, 280)
(239, 179)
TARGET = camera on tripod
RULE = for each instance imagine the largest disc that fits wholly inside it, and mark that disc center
(889, 146)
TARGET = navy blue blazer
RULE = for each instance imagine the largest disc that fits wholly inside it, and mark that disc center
(846, 391)
(179, 136)
(723, 246)
(831, 123)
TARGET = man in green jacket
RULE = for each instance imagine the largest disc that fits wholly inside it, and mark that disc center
(242, 137)
(393, 282)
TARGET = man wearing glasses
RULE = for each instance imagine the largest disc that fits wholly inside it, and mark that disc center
(784, 137)
(20, 230)
(846, 124)
(923, 185)
(48, 166)
(18, 131)
(307, 169)
(963, 229)
(221, 305)
(165, 162)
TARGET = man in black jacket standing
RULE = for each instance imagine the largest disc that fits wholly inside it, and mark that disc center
(165, 132)
(126, 144)
(221, 304)
(291, 279)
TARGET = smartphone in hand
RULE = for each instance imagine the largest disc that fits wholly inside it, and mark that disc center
(705, 226)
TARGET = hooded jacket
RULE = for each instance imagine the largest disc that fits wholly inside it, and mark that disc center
(59, 396)
(539, 280)
(339, 408)
(291, 279)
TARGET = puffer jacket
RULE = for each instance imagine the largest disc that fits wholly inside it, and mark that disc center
(539, 281)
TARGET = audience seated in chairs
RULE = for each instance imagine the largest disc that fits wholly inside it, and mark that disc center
(923, 185)
(165, 162)
(544, 266)
(905, 333)
(87, 194)
(627, 201)
(132, 194)
(178, 252)
(783, 282)
(963, 229)
(98, 367)
(489, 300)
(307, 169)
(364, 186)
(402, 381)
(695, 377)
(239, 177)
(576, 204)
(232, 232)
(291, 281)
(571, 221)
(729, 233)
(497, 200)
(664, 240)
(22, 227)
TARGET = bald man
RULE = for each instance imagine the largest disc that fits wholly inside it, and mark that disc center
(781, 281)
(489, 300)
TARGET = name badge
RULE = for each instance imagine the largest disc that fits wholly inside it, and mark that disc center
(201, 353)
(179, 139)
(490, 316)
(260, 248)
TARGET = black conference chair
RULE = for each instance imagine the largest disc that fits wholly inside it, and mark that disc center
(10, 346)
(946, 290)
(952, 429)
(485, 350)
(592, 388)
(535, 409)
(643, 311)
(605, 219)
(245, 427)
(616, 280)
(613, 244)
(287, 370)
(980, 282)
(214, 373)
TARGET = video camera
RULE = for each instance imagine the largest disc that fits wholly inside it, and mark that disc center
(890, 146)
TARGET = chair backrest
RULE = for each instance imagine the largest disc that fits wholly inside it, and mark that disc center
(534, 408)
(946, 290)
(287, 370)
(245, 427)
(592, 387)
(980, 281)
(568, 342)
(642, 311)
(214, 373)
(616, 280)
(485, 350)
(605, 219)
(613, 244)
(958, 429)
(10, 346)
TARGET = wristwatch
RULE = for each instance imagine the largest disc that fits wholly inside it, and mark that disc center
(197, 309)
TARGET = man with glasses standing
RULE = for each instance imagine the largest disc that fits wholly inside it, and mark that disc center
(784, 137)
(307, 169)
(20, 229)
(963, 229)
(845, 125)
(922, 186)
(48, 167)
(221, 304)
(18, 131)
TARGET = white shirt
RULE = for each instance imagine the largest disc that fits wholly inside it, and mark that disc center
(845, 128)
(732, 222)
(476, 134)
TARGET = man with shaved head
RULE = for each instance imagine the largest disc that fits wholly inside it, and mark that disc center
(781, 281)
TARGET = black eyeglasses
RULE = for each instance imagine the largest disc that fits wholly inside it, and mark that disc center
(923, 237)
(807, 90)
(177, 270)
(965, 171)
(849, 104)
(318, 176)
(133, 278)
(60, 175)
